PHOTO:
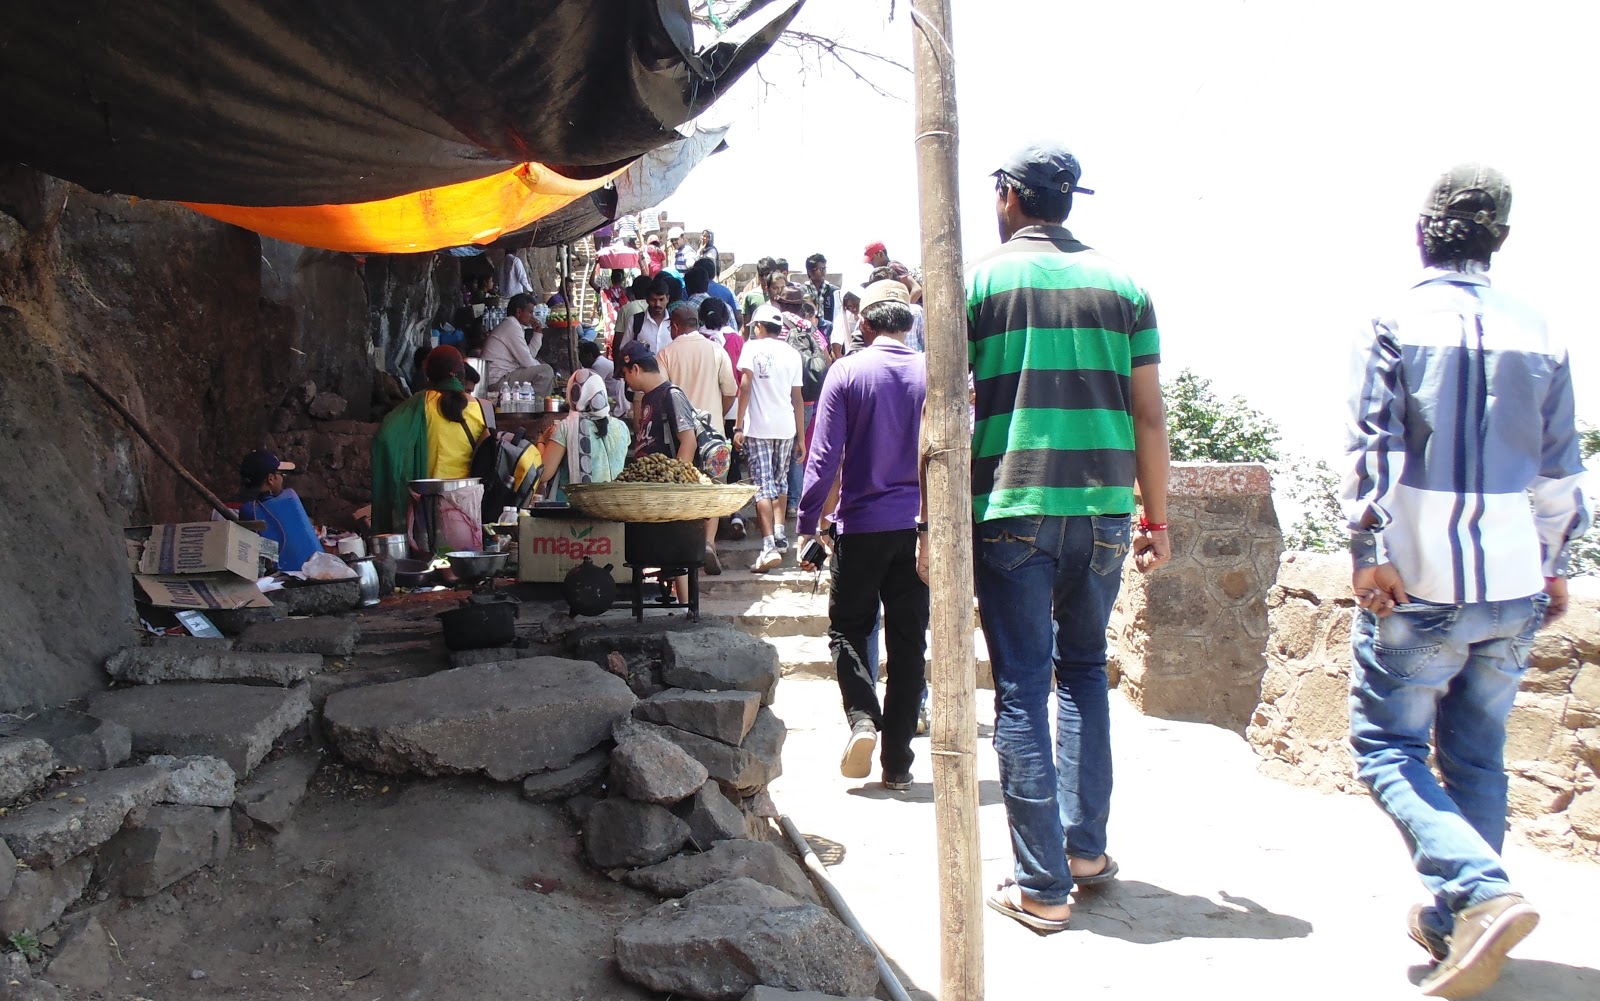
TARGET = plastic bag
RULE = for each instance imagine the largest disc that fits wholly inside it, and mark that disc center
(324, 566)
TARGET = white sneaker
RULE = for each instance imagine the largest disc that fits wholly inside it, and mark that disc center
(768, 559)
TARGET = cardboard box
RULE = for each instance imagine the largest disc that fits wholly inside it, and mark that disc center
(548, 548)
(202, 547)
(202, 591)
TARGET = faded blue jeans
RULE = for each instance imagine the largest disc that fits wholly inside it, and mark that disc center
(1442, 675)
(1046, 586)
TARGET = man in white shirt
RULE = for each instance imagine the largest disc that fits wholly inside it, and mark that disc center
(700, 368)
(514, 276)
(771, 411)
(652, 326)
(509, 355)
(1464, 497)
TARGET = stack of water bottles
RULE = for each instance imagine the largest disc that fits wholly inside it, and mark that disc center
(515, 398)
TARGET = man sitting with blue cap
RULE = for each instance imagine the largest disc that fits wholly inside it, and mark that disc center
(264, 499)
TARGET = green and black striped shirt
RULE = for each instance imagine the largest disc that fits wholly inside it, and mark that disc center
(1054, 332)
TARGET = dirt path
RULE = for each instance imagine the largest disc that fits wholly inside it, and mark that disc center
(1232, 882)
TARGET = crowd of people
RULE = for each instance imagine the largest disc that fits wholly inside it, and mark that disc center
(1462, 412)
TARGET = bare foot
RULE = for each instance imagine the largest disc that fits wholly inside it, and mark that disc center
(1081, 867)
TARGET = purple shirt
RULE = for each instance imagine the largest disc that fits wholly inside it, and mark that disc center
(867, 422)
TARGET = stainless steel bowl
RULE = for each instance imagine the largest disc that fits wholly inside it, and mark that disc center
(476, 566)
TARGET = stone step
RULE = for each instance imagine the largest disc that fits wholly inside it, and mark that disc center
(809, 657)
(737, 581)
(237, 723)
(785, 613)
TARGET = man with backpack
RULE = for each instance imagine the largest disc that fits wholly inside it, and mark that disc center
(771, 413)
(801, 333)
(651, 325)
(705, 374)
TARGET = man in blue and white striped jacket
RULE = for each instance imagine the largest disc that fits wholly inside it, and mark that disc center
(1463, 495)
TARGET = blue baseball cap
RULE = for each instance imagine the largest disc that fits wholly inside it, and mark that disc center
(1044, 166)
(634, 352)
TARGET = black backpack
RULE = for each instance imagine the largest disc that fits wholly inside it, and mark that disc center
(494, 463)
(813, 362)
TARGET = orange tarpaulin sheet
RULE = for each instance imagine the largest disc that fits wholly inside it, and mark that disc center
(454, 215)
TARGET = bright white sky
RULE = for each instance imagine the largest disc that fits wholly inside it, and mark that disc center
(1259, 165)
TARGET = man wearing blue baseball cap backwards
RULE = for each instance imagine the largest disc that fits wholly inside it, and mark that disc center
(1064, 352)
(1464, 495)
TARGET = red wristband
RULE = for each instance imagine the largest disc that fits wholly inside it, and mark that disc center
(1147, 526)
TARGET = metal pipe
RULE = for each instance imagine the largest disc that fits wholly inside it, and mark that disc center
(819, 872)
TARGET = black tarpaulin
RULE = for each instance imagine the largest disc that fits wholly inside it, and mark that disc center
(295, 103)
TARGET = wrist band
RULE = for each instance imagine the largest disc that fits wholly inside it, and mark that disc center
(1148, 526)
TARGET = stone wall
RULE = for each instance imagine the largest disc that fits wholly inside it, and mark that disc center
(1189, 641)
(1302, 725)
(219, 342)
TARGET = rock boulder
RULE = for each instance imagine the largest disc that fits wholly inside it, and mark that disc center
(560, 783)
(758, 860)
(198, 780)
(51, 831)
(711, 817)
(724, 716)
(24, 764)
(719, 942)
(506, 720)
(720, 660)
(652, 769)
(150, 665)
(80, 740)
(40, 896)
(272, 793)
(620, 833)
(165, 845)
(237, 723)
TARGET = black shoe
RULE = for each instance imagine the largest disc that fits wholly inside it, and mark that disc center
(736, 528)
(780, 543)
(897, 781)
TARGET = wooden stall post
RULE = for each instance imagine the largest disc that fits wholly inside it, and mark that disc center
(948, 446)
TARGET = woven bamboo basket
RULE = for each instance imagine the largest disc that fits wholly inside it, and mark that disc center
(659, 501)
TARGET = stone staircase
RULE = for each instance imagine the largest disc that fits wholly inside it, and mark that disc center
(787, 607)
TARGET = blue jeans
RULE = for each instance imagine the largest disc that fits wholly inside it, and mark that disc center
(1446, 674)
(797, 470)
(1046, 586)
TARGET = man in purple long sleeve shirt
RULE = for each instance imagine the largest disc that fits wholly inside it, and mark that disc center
(866, 435)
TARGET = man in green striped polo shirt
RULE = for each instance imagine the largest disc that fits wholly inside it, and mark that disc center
(1069, 416)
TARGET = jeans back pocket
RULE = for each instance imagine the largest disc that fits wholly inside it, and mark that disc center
(1006, 543)
(1113, 538)
(1410, 638)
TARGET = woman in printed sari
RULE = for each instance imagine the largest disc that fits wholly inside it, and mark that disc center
(594, 445)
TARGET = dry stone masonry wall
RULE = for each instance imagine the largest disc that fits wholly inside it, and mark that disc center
(1188, 642)
(1301, 727)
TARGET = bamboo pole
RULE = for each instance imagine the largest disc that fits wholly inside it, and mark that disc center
(160, 451)
(947, 452)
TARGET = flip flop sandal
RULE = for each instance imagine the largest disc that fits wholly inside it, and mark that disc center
(1107, 873)
(1009, 904)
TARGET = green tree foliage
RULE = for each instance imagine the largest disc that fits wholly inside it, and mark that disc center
(1204, 427)
(1313, 487)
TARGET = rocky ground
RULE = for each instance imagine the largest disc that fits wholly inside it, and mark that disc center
(337, 806)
